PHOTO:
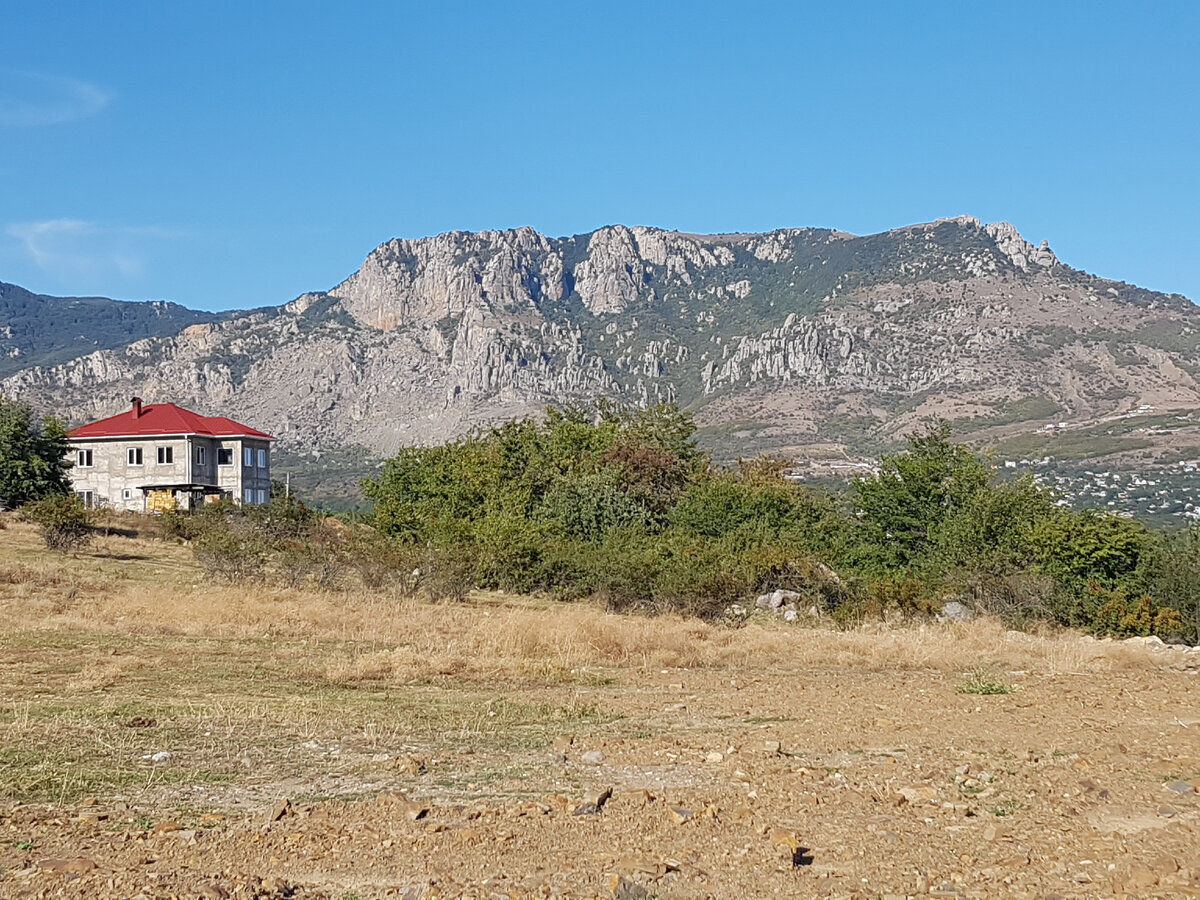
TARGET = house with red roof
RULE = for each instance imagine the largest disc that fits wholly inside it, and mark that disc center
(160, 456)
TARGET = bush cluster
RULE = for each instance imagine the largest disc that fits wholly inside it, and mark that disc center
(283, 542)
(624, 506)
(66, 524)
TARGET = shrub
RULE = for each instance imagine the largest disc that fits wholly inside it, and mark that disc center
(1018, 599)
(447, 574)
(280, 519)
(232, 549)
(698, 577)
(592, 504)
(1119, 615)
(321, 557)
(981, 681)
(620, 571)
(1170, 569)
(1076, 548)
(990, 532)
(65, 523)
(726, 504)
(900, 509)
(380, 563)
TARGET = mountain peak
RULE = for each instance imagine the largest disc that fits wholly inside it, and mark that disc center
(1022, 253)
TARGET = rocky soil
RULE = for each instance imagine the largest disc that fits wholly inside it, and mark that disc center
(732, 782)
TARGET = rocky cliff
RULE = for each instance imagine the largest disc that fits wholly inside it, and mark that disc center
(789, 339)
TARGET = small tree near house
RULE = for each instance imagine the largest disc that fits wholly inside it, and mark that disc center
(33, 456)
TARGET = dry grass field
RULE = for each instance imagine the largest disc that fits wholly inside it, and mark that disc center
(163, 737)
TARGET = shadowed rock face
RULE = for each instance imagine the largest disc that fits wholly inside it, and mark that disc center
(801, 329)
(39, 330)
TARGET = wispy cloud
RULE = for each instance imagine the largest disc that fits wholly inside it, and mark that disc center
(75, 250)
(31, 99)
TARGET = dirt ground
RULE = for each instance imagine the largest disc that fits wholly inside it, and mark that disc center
(164, 738)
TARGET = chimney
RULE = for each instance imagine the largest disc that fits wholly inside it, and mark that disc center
(137, 407)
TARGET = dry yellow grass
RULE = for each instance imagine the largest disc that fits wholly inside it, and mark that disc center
(250, 685)
(378, 636)
(483, 642)
(128, 680)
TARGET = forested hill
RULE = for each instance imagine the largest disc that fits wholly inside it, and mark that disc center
(40, 330)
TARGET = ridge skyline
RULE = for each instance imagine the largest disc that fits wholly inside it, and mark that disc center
(712, 237)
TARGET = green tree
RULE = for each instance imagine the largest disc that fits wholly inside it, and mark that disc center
(1089, 546)
(913, 493)
(33, 456)
(754, 504)
(991, 531)
(590, 470)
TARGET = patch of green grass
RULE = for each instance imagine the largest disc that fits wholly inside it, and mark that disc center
(981, 681)
(1008, 412)
(1004, 808)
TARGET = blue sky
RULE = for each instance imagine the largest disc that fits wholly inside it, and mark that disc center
(233, 155)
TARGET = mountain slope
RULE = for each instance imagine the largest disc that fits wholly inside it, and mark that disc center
(39, 330)
(797, 340)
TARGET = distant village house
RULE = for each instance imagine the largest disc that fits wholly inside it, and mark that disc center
(155, 457)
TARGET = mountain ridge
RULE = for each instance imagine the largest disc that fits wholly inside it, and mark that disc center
(798, 338)
(42, 329)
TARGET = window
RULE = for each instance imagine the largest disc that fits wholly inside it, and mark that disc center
(248, 495)
(126, 494)
(166, 456)
(133, 456)
(199, 456)
(262, 459)
(224, 456)
(247, 457)
(262, 495)
(83, 459)
(86, 497)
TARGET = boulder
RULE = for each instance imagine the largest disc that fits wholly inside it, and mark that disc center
(956, 612)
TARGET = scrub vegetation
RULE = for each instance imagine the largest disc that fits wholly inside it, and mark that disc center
(622, 506)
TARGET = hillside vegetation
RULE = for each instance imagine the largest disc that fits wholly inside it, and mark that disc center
(622, 506)
(38, 330)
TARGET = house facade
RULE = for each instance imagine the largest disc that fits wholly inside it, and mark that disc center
(160, 456)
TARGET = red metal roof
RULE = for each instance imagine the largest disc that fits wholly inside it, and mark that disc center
(147, 420)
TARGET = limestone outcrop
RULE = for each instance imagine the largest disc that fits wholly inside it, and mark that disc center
(805, 329)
